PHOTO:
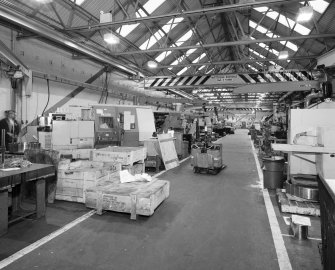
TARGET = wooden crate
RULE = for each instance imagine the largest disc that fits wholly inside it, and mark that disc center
(76, 153)
(123, 155)
(75, 177)
(136, 198)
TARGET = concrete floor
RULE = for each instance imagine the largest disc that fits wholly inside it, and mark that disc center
(208, 222)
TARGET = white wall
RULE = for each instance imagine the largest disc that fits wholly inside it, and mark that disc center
(5, 94)
(40, 56)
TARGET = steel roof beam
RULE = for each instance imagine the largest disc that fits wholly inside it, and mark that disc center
(243, 61)
(231, 43)
(48, 33)
(217, 9)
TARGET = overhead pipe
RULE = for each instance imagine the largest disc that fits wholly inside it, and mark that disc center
(51, 34)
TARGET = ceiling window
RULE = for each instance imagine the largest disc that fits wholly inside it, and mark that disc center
(319, 6)
(149, 7)
(181, 58)
(252, 68)
(179, 42)
(182, 71)
(209, 71)
(78, 2)
(162, 56)
(202, 67)
(270, 34)
(297, 27)
(184, 38)
(199, 58)
(160, 33)
(256, 53)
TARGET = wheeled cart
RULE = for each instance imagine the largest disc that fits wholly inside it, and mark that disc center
(207, 160)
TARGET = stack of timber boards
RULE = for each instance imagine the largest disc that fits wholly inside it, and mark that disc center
(131, 158)
(74, 178)
(291, 204)
(136, 198)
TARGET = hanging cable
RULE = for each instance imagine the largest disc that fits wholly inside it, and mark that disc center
(46, 105)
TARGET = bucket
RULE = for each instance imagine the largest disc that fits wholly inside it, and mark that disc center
(273, 172)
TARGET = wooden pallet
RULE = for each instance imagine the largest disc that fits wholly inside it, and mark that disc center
(287, 205)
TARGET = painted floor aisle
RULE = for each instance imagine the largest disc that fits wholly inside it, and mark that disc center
(209, 222)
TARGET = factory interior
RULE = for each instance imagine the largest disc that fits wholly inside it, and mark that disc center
(167, 134)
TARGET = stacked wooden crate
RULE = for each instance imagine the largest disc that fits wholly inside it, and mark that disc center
(130, 158)
(74, 178)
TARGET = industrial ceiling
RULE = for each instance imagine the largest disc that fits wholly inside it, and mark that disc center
(183, 38)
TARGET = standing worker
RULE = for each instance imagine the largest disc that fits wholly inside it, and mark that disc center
(11, 126)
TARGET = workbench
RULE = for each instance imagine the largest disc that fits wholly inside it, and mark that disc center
(12, 180)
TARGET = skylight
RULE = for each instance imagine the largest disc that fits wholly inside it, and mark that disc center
(200, 68)
(181, 58)
(182, 71)
(297, 27)
(184, 38)
(199, 58)
(152, 5)
(162, 56)
(319, 6)
(252, 68)
(159, 34)
(270, 34)
(149, 6)
(257, 53)
(209, 71)
(78, 2)
(179, 42)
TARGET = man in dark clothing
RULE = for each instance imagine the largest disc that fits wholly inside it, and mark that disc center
(11, 126)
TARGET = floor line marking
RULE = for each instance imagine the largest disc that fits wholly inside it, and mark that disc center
(283, 259)
(44, 240)
(160, 173)
(309, 238)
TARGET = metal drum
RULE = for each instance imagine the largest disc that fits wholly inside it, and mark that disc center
(307, 192)
(273, 172)
(17, 147)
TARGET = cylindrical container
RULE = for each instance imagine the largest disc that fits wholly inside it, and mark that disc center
(273, 172)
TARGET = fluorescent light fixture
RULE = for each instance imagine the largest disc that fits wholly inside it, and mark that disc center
(283, 55)
(305, 14)
(71, 44)
(110, 38)
(152, 64)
